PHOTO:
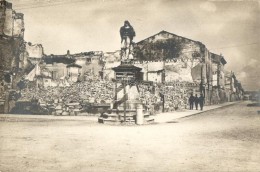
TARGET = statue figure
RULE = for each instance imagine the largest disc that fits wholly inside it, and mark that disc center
(127, 34)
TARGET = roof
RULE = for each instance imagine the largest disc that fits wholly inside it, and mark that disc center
(89, 53)
(218, 58)
(163, 32)
(127, 67)
(223, 60)
(74, 65)
(58, 59)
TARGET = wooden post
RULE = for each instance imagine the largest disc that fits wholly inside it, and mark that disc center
(124, 100)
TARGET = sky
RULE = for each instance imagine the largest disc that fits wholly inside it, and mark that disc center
(231, 28)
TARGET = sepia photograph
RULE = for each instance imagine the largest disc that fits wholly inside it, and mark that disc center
(129, 85)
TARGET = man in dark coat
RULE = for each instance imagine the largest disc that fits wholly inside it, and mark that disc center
(196, 100)
(191, 101)
(201, 101)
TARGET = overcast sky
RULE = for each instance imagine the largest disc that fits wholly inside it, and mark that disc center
(228, 27)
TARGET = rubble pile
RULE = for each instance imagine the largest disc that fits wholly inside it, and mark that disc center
(61, 108)
(175, 97)
(69, 100)
(148, 96)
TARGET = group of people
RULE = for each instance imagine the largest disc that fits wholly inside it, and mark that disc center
(197, 101)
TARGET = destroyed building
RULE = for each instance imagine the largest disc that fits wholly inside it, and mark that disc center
(173, 65)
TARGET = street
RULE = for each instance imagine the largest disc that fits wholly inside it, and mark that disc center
(225, 139)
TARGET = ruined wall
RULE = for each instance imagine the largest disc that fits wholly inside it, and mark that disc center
(12, 23)
(111, 57)
(90, 64)
(221, 76)
(214, 74)
(73, 73)
(111, 60)
(94, 67)
(149, 66)
(57, 70)
(182, 56)
(8, 24)
(166, 46)
(2, 16)
(18, 25)
(11, 41)
(155, 76)
(218, 70)
(34, 50)
(181, 71)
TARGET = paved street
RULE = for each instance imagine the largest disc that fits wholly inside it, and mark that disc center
(226, 139)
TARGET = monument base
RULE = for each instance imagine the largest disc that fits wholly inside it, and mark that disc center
(127, 95)
(127, 116)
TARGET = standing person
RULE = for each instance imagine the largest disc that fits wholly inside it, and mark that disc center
(191, 101)
(201, 101)
(163, 101)
(196, 100)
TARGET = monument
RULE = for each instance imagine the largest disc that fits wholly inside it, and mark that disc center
(127, 34)
(127, 76)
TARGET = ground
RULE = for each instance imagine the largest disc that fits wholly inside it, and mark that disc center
(226, 139)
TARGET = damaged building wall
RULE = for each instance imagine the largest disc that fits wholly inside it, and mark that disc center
(149, 68)
(12, 23)
(18, 25)
(218, 63)
(8, 23)
(57, 65)
(164, 46)
(91, 62)
(11, 36)
(206, 78)
(218, 78)
(111, 60)
(228, 85)
(34, 50)
(156, 76)
(180, 55)
(233, 87)
(12, 49)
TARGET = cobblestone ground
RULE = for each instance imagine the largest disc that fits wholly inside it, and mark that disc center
(226, 139)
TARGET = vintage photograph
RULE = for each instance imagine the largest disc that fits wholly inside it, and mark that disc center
(129, 86)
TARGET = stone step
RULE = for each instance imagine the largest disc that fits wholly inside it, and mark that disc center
(149, 120)
(130, 120)
(127, 115)
(110, 115)
(108, 121)
(122, 110)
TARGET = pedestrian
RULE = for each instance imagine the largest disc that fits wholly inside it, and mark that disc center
(162, 99)
(201, 101)
(191, 101)
(196, 100)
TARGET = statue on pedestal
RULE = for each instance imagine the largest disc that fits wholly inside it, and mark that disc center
(127, 34)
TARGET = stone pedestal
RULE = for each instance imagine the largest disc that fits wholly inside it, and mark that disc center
(126, 96)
